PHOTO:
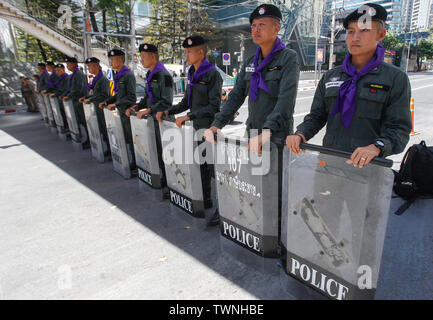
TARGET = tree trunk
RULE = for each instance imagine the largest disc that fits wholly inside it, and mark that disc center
(42, 50)
(104, 20)
(27, 47)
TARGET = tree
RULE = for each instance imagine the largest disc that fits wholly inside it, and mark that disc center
(424, 50)
(391, 42)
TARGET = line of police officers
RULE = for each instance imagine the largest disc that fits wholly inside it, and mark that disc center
(364, 102)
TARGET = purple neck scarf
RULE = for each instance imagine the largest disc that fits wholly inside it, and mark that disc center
(95, 79)
(257, 81)
(57, 83)
(346, 96)
(119, 75)
(51, 83)
(72, 76)
(204, 68)
(158, 67)
(40, 76)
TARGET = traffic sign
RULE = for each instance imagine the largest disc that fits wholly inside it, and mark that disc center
(226, 59)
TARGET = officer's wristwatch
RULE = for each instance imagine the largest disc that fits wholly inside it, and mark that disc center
(379, 144)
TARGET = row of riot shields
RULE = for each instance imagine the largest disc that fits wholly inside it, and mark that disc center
(322, 220)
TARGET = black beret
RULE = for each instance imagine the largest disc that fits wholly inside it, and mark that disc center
(71, 59)
(60, 65)
(92, 59)
(193, 41)
(115, 53)
(41, 64)
(50, 63)
(147, 47)
(266, 10)
(375, 12)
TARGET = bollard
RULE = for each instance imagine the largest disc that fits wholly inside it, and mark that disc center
(412, 111)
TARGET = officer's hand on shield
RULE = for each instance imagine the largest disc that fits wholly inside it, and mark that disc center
(255, 143)
(143, 112)
(111, 106)
(363, 155)
(43, 92)
(209, 134)
(65, 98)
(160, 114)
(293, 142)
(102, 104)
(52, 95)
(86, 101)
(81, 100)
(181, 120)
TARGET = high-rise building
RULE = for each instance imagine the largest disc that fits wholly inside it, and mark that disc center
(393, 7)
(421, 15)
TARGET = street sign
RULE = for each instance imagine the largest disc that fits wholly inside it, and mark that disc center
(226, 59)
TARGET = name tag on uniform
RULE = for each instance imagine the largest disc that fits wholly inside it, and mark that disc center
(333, 84)
(249, 69)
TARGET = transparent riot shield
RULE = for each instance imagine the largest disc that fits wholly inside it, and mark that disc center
(97, 143)
(74, 127)
(333, 223)
(119, 151)
(247, 186)
(146, 152)
(61, 128)
(42, 108)
(183, 173)
(50, 114)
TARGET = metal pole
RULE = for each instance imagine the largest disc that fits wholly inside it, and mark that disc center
(331, 47)
(132, 43)
(316, 21)
(408, 53)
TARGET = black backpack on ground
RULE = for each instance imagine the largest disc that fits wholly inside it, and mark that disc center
(415, 178)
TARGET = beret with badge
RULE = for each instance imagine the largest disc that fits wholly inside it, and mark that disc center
(147, 47)
(50, 63)
(60, 65)
(41, 64)
(193, 41)
(92, 59)
(266, 10)
(371, 11)
(115, 53)
(71, 59)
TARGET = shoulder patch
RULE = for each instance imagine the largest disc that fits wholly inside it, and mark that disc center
(376, 86)
(168, 81)
(275, 68)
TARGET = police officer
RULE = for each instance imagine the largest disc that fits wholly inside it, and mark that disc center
(98, 91)
(42, 82)
(60, 89)
(77, 89)
(202, 98)
(364, 102)
(124, 87)
(158, 96)
(51, 67)
(269, 78)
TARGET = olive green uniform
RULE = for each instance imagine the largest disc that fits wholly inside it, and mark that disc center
(78, 89)
(382, 111)
(162, 92)
(124, 99)
(100, 93)
(61, 90)
(273, 110)
(42, 84)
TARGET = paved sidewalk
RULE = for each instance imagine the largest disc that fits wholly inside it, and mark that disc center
(74, 229)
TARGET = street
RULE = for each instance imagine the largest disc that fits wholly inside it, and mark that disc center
(74, 229)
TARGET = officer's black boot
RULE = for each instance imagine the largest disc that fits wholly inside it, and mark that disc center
(215, 220)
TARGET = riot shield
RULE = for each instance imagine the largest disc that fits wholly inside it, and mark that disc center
(248, 202)
(61, 128)
(119, 150)
(146, 152)
(97, 143)
(74, 128)
(333, 222)
(42, 108)
(182, 173)
(50, 114)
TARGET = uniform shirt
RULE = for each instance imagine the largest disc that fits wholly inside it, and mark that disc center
(78, 86)
(205, 100)
(43, 82)
(101, 91)
(382, 111)
(273, 110)
(126, 96)
(162, 92)
(27, 87)
(53, 78)
(62, 89)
